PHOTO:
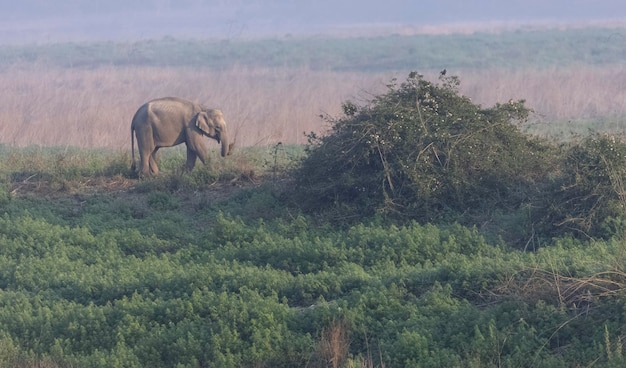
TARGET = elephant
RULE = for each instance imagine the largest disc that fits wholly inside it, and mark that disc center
(170, 121)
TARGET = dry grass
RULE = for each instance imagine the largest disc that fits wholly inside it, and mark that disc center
(93, 107)
(562, 290)
(333, 346)
(555, 285)
(557, 93)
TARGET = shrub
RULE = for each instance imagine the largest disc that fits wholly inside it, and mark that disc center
(424, 152)
(589, 189)
(421, 151)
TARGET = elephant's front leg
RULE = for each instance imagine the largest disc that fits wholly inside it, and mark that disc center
(195, 149)
(191, 159)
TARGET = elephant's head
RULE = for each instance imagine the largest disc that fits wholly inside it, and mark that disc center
(211, 123)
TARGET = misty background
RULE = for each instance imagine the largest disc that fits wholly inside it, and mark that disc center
(43, 21)
(277, 76)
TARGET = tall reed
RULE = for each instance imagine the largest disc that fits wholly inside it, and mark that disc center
(93, 107)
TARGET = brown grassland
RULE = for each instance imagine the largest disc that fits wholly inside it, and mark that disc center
(92, 107)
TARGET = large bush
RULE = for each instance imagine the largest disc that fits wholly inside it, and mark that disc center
(422, 151)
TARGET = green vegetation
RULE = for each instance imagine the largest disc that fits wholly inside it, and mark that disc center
(539, 49)
(261, 294)
(424, 152)
(514, 258)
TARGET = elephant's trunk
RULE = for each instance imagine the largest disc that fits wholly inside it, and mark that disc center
(225, 146)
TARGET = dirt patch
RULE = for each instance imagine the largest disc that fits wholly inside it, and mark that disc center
(40, 186)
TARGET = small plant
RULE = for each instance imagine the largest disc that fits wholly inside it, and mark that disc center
(333, 346)
(160, 200)
(5, 194)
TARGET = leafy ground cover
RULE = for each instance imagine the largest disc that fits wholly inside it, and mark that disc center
(162, 287)
(229, 266)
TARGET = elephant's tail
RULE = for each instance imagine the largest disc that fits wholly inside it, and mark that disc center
(133, 166)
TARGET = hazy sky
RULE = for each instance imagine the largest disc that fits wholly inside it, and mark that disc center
(68, 20)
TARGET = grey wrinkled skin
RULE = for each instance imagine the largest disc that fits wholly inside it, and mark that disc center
(169, 121)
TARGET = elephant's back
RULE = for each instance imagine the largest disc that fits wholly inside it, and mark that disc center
(165, 112)
(170, 105)
(140, 115)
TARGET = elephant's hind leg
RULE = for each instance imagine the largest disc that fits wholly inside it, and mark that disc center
(154, 168)
(144, 164)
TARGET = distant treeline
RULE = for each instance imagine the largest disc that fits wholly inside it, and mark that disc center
(516, 49)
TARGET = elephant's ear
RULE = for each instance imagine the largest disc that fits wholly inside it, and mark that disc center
(204, 124)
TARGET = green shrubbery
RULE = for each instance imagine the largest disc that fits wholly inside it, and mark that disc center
(274, 293)
(423, 151)
(588, 193)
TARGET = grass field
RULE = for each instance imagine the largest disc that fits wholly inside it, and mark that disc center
(217, 267)
(93, 107)
(274, 91)
(225, 267)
